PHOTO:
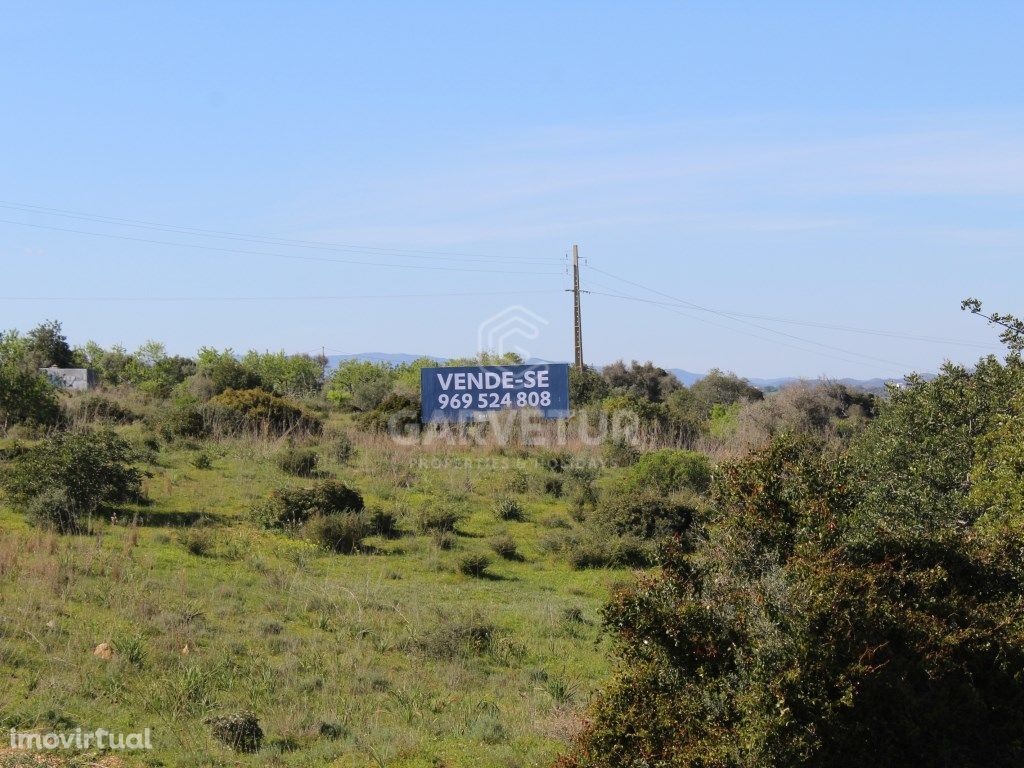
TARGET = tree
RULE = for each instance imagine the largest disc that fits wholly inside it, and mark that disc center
(68, 478)
(361, 385)
(26, 396)
(586, 387)
(644, 380)
(220, 371)
(718, 388)
(284, 374)
(1013, 328)
(155, 372)
(771, 638)
(48, 346)
(833, 608)
(111, 365)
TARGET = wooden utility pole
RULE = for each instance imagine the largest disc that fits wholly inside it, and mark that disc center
(577, 317)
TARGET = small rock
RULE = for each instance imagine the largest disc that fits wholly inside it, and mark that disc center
(51, 624)
(185, 650)
(104, 651)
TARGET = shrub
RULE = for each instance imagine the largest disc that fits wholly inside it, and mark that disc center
(445, 540)
(382, 523)
(553, 486)
(257, 411)
(609, 552)
(89, 469)
(646, 513)
(93, 408)
(198, 540)
(474, 565)
(437, 518)
(671, 470)
(517, 481)
(343, 449)
(131, 648)
(394, 415)
(341, 532)
(289, 507)
(834, 622)
(240, 731)
(459, 636)
(301, 462)
(579, 484)
(53, 508)
(619, 452)
(202, 460)
(508, 508)
(26, 397)
(182, 419)
(504, 546)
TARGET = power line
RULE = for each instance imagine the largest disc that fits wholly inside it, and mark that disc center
(274, 254)
(828, 326)
(744, 322)
(270, 240)
(340, 297)
(704, 320)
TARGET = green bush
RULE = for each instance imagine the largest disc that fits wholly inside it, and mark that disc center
(73, 474)
(99, 408)
(382, 523)
(508, 508)
(671, 470)
(646, 513)
(593, 551)
(470, 635)
(198, 540)
(289, 507)
(202, 460)
(53, 508)
(343, 449)
(26, 397)
(553, 486)
(474, 565)
(579, 485)
(444, 540)
(504, 546)
(341, 532)
(257, 411)
(393, 416)
(619, 452)
(834, 625)
(437, 518)
(182, 419)
(301, 462)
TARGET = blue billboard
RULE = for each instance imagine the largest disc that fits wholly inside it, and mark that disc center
(471, 392)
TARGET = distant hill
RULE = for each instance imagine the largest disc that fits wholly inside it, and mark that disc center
(686, 377)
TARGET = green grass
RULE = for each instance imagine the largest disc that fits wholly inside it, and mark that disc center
(346, 660)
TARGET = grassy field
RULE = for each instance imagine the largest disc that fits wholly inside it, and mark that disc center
(388, 657)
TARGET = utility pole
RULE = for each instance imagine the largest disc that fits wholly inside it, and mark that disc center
(577, 317)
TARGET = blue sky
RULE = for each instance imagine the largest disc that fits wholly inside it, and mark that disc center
(857, 165)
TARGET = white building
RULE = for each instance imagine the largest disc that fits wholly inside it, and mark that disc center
(78, 379)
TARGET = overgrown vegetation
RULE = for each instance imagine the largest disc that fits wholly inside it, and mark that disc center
(812, 576)
(833, 606)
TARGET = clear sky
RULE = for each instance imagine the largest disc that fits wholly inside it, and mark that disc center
(857, 164)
